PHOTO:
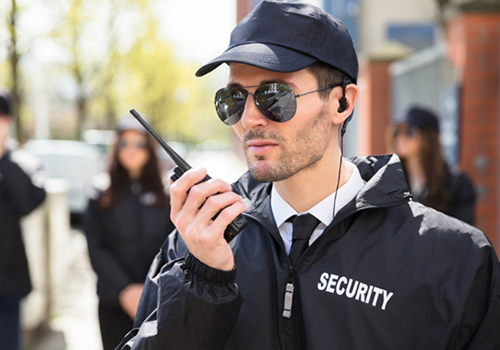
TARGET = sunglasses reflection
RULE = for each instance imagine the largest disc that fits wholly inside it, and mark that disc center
(276, 101)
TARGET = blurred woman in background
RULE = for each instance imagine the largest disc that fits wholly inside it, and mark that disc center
(431, 181)
(127, 220)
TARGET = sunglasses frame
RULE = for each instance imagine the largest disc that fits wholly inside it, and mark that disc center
(255, 95)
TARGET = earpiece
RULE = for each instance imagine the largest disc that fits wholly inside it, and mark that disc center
(343, 107)
(342, 104)
(343, 100)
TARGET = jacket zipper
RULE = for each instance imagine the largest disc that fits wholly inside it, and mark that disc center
(290, 287)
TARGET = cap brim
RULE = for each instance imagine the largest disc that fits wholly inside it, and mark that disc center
(266, 56)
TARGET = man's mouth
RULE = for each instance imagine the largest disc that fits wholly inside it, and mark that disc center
(261, 147)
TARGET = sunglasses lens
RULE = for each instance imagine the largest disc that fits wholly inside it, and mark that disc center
(124, 144)
(276, 101)
(229, 104)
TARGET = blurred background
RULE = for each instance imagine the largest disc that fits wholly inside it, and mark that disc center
(75, 67)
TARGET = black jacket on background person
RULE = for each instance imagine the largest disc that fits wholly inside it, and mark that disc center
(461, 200)
(19, 195)
(124, 239)
(387, 273)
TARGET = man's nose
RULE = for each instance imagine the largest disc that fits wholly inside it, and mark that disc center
(252, 116)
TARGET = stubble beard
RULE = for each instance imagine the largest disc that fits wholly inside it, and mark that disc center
(302, 152)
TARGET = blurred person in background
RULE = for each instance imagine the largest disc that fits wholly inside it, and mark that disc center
(20, 194)
(431, 181)
(127, 220)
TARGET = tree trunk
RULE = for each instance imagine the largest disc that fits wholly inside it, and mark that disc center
(110, 112)
(81, 115)
(14, 66)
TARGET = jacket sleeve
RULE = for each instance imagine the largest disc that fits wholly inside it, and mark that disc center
(481, 320)
(24, 194)
(464, 197)
(112, 277)
(196, 308)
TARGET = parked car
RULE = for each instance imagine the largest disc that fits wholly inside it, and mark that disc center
(75, 161)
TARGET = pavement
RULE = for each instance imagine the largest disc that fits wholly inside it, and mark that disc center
(74, 324)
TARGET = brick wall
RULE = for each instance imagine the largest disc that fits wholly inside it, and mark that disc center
(374, 107)
(474, 42)
(243, 8)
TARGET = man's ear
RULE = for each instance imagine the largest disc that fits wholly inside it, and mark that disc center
(346, 103)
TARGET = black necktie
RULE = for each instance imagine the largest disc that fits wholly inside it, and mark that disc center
(303, 227)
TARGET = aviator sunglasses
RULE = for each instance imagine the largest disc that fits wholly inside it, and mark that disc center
(276, 101)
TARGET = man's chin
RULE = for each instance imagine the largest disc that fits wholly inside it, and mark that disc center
(264, 172)
(260, 172)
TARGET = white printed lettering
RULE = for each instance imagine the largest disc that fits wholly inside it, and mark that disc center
(387, 297)
(342, 280)
(351, 293)
(323, 279)
(352, 288)
(361, 292)
(331, 283)
(367, 300)
(377, 291)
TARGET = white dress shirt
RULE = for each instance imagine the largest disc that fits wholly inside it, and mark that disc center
(323, 211)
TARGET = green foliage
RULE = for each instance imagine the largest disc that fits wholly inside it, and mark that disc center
(149, 78)
(145, 75)
(113, 54)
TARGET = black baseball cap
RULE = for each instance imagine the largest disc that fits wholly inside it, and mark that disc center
(284, 36)
(5, 104)
(420, 117)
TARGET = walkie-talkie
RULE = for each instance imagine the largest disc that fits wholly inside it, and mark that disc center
(237, 224)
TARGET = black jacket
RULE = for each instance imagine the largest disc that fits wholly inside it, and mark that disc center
(387, 273)
(18, 197)
(461, 198)
(124, 239)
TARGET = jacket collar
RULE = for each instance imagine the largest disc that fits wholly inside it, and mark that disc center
(385, 186)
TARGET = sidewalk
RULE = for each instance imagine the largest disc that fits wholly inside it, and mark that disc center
(74, 325)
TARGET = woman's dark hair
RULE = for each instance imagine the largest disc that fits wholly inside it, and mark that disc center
(120, 182)
(435, 169)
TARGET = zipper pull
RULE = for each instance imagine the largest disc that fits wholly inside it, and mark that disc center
(287, 309)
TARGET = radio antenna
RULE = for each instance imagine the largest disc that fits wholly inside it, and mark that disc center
(181, 163)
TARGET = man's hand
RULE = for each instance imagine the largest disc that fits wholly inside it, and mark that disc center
(4, 133)
(192, 214)
(129, 298)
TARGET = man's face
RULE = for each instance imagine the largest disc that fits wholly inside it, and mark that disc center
(277, 151)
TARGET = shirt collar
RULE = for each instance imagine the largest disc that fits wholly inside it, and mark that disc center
(323, 211)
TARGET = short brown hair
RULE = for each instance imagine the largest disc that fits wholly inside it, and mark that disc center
(326, 75)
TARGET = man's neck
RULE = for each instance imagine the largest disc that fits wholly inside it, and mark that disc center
(310, 186)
